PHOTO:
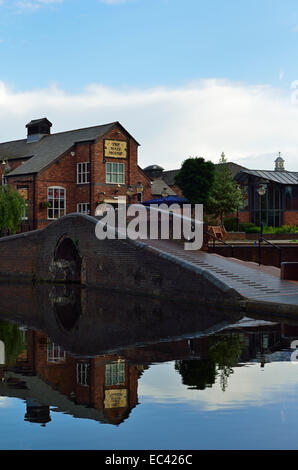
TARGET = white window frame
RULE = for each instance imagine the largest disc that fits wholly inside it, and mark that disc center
(55, 353)
(83, 207)
(61, 210)
(83, 373)
(83, 173)
(117, 177)
(115, 373)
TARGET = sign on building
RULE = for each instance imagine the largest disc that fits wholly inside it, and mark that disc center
(115, 148)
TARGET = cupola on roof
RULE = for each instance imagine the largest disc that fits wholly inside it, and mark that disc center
(37, 128)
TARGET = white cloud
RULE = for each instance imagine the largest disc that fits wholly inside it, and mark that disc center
(114, 2)
(251, 124)
(31, 5)
(249, 386)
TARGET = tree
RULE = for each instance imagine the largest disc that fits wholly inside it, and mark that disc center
(226, 196)
(225, 353)
(12, 207)
(14, 341)
(195, 179)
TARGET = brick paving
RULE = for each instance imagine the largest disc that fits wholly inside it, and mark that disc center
(248, 279)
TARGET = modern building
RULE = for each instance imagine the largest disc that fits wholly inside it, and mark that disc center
(72, 171)
(269, 196)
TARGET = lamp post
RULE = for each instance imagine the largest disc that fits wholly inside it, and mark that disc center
(164, 193)
(261, 190)
(129, 193)
(237, 213)
(140, 189)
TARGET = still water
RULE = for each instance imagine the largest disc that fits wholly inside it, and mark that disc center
(83, 369)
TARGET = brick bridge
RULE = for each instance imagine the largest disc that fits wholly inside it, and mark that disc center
(67, 250)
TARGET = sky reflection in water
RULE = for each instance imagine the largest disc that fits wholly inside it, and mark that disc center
(231, 386)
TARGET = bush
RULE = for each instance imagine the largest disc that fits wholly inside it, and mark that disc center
(230, 224)
(248, 227)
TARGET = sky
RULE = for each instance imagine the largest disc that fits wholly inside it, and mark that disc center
(184, 77)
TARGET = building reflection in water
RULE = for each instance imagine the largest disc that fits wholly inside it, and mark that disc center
(51, 376)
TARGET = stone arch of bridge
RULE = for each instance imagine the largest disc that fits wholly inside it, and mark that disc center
(67, 261)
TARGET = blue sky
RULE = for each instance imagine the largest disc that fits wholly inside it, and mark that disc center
(233, 59)
(144, 43)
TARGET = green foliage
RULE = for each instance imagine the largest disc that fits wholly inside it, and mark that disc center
(12, 207)
(225, 353)
(230, 224)
(252, 228)
(197, 374)
(14, 341)
(226, 196)
(196, 179)
(248, 227)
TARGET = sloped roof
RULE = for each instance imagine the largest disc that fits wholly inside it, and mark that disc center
(233, 167)
(281, 177)
(169, 175)
(159, 185)
(46, 150)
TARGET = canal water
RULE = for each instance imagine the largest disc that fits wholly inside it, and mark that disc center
(89, 370)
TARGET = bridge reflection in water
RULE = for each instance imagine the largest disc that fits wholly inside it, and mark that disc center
(82, 351)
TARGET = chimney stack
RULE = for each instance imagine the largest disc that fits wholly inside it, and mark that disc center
(37, 129)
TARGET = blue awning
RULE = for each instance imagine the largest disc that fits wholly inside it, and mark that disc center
(167, 200)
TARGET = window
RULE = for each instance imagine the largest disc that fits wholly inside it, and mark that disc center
(115, 173)
(55, 353)
(57, 202)
(115, 373)
(83, 208)
(267, 208)
(83, 173)
(24, 193)
(83, 373)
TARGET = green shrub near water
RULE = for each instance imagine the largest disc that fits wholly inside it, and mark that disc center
(230, 225)
(248, 227)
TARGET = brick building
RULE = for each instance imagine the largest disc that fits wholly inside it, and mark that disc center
(72, 171)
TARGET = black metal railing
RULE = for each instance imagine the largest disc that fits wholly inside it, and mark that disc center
(214, 237)
(262, 239)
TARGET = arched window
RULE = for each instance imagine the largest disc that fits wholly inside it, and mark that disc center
(57, 202)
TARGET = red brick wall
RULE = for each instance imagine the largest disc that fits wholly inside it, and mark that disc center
(176, 190)
(291, 218)
(63, 172)
(243, 217)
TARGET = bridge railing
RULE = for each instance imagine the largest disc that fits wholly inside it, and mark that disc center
(214, 237)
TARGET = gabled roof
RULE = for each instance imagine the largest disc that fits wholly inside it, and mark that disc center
(48, 148)
(169, 176)
(281, 177)
(158, 186)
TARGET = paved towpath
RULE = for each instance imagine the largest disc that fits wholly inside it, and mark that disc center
(248, 279)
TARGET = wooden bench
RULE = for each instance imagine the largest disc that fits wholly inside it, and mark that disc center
(217, 231)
